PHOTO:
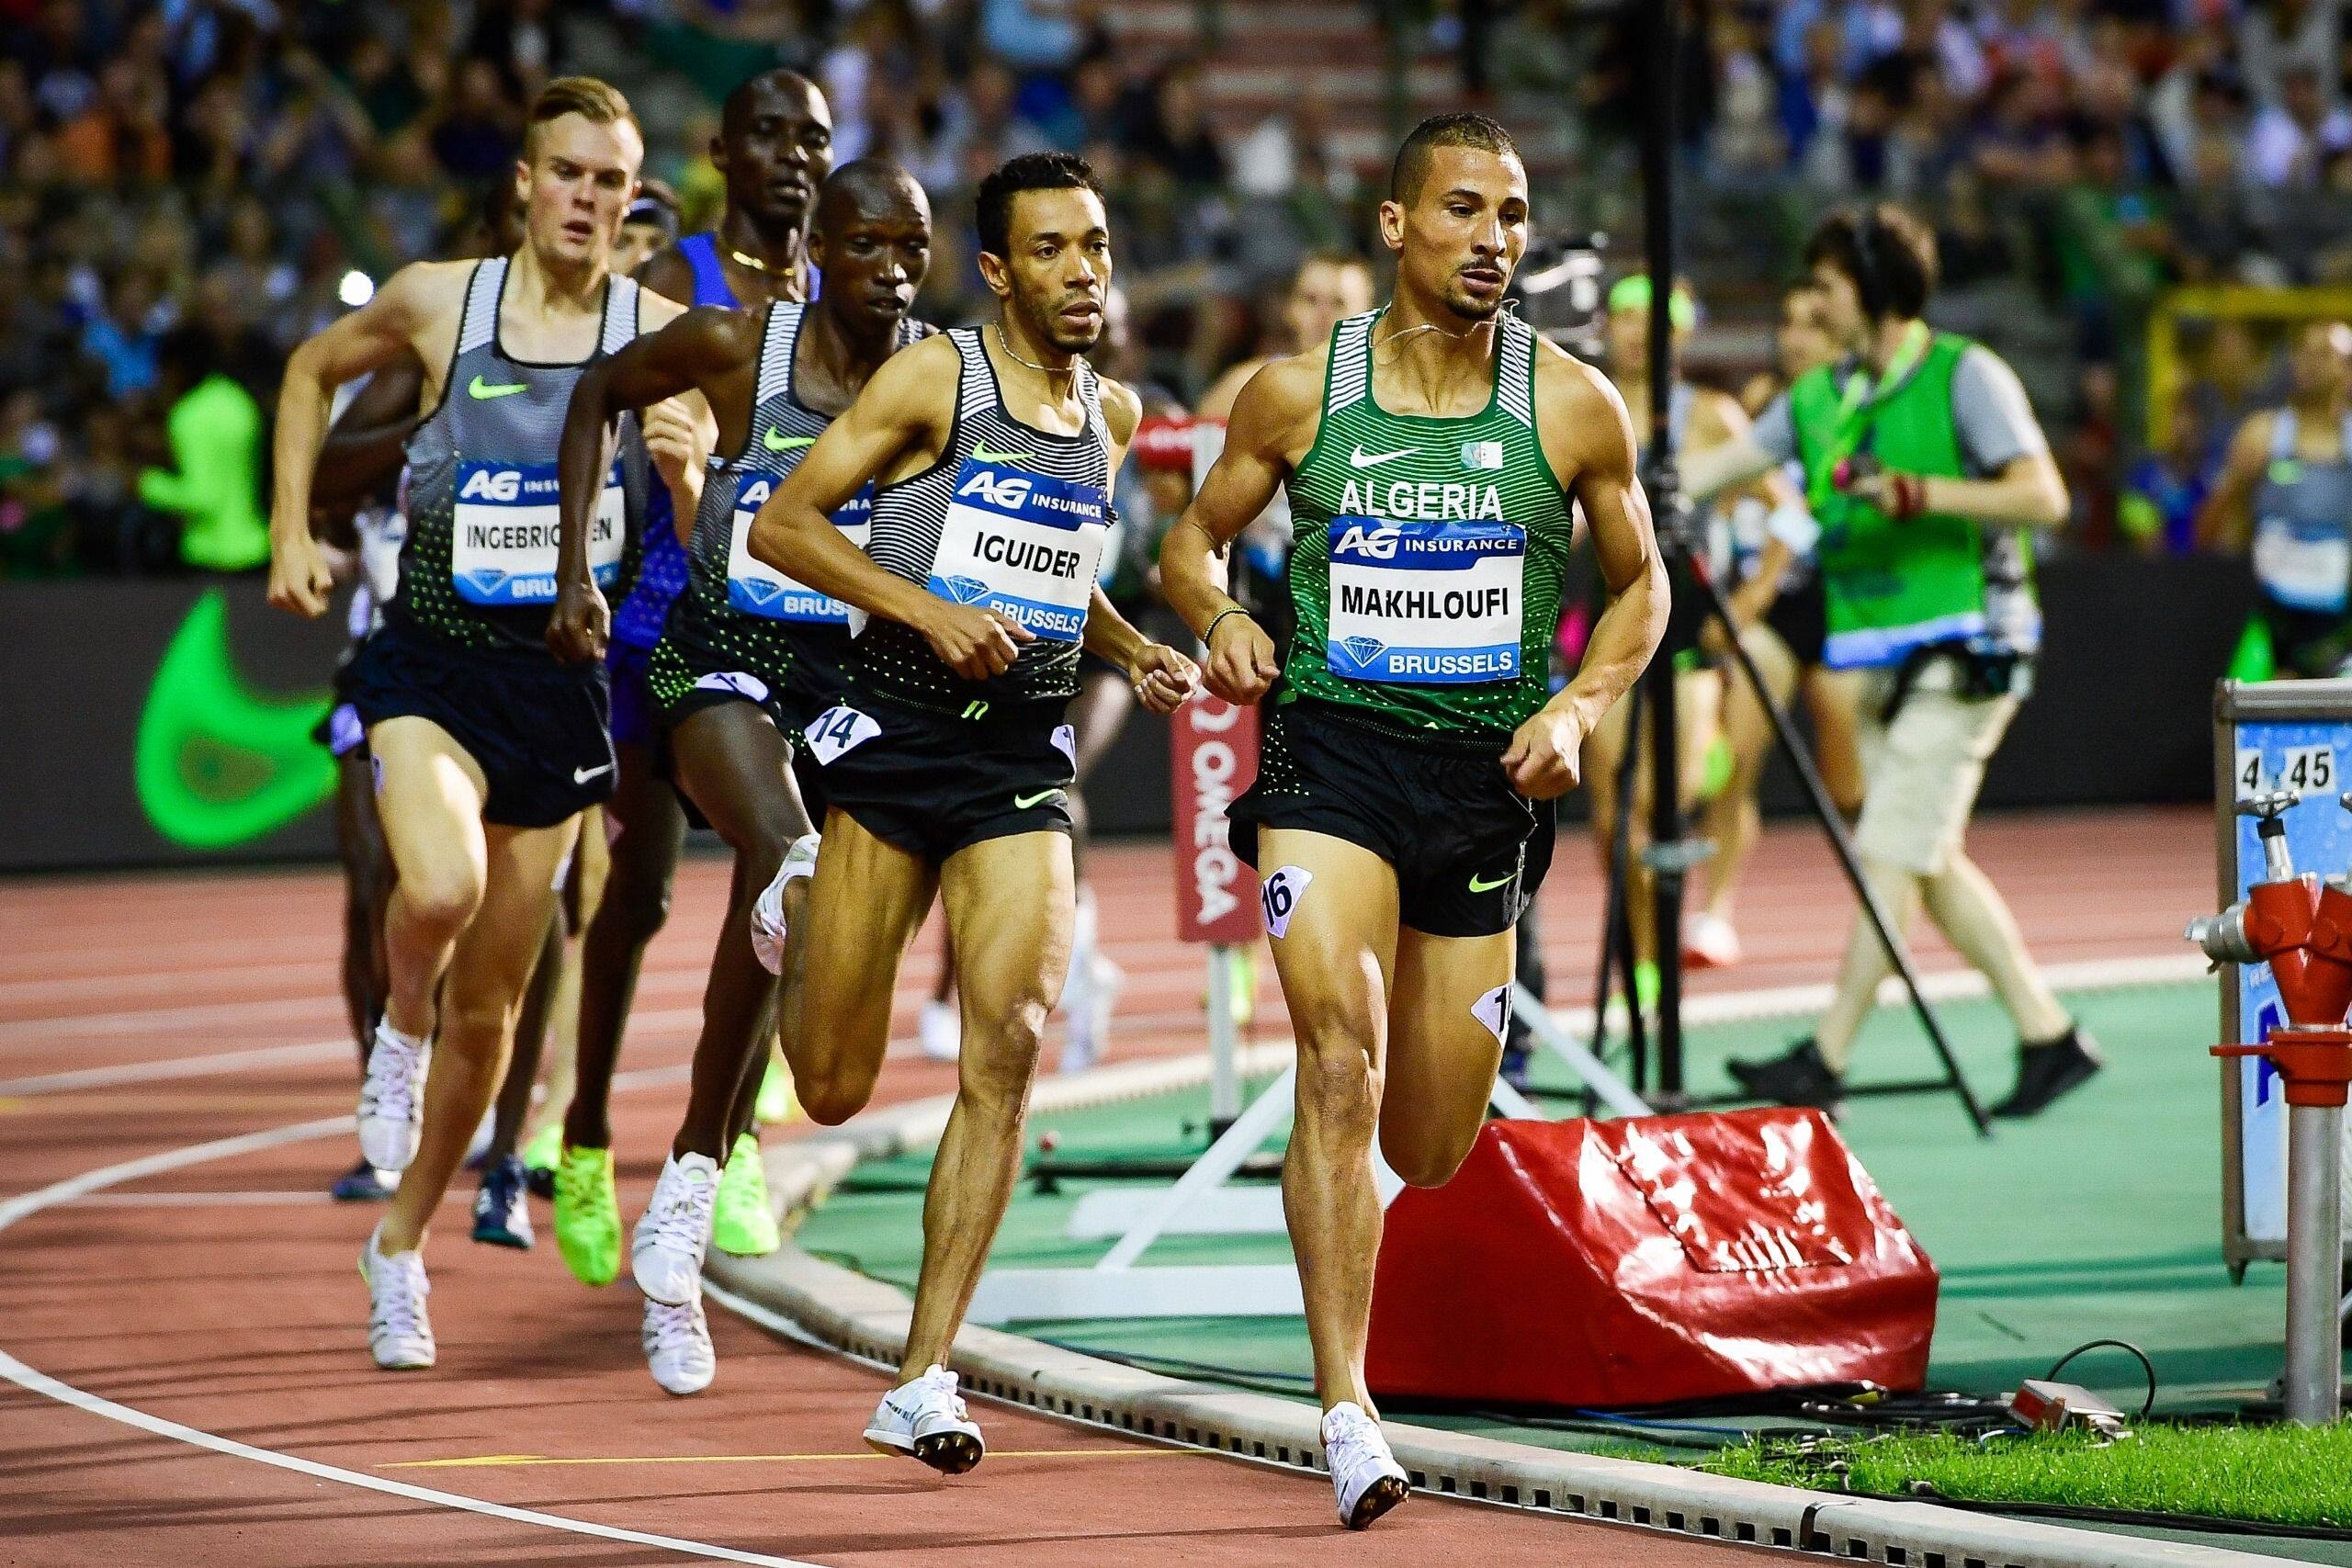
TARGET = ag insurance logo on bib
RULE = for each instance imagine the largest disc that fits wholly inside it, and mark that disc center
(758, 588)
(1025, 544)
(502, 551)
(1425, 603)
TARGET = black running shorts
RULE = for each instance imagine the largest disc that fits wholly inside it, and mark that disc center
(935, 783)
(534, 728)
(1469, 850)
(1801, 616)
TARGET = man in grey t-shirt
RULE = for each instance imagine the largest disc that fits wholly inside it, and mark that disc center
(1933, 618)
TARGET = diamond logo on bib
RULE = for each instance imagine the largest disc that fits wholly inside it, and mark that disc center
(1425, 603)
(758, 588)
(1023, 544)
(507, 522)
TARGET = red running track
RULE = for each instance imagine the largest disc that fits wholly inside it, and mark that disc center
(143, 1016)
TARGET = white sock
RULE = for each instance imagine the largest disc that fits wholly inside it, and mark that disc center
(1079, 988)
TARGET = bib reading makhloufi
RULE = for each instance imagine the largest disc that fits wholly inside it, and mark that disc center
(503, 546)
(1430, 602)
(1025, 544)
(758, 588)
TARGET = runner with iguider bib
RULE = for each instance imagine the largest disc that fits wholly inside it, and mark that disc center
(1403, 812)
(992, 452)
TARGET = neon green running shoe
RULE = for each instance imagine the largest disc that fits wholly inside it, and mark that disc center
(742, 1224)
(546, 1151)
(776, 1103)
(588, 1215)
(1646, 985)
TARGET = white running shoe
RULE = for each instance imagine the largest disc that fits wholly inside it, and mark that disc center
(926, 1419)
(1363, 1472)
(1710, 943)
(392, 1099)
(667, 1248)
(677, 1347)
(767, 910)
(400, 1334)
(940, 1030)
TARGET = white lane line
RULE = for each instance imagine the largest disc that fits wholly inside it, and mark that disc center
(18, 1209)
(176, 1068)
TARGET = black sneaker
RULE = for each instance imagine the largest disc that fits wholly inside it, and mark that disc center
(2049, 1070)
(1798, 1078)
(363, 1183)
(502, 1214)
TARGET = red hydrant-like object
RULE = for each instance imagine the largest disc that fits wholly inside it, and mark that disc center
(2304, 933)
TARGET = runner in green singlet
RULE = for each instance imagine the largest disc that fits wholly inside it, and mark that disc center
(1403, 812)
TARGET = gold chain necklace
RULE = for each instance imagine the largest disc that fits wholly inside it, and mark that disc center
(1006, 343)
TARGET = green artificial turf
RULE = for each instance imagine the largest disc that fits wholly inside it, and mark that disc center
(2279, 1475)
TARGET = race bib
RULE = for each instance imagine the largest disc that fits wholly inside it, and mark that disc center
(1426, 603)
(758, 588)
(836, 730)
(503, 548)
(2304, 570)
(1026, 545)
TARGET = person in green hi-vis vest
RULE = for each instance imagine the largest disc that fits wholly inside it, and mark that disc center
(1928, 473)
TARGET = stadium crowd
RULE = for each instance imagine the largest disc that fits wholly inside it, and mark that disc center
(188, 188)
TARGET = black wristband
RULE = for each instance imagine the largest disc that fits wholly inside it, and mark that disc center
(1210, 630)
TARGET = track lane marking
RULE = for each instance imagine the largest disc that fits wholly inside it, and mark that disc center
(497, 1461)
(23, 1207)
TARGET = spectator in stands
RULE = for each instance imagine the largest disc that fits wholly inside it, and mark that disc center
(1176, 137)
(2278, 38)
(2291, 139)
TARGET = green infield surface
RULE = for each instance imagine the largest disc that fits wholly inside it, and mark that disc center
(2098, 1220)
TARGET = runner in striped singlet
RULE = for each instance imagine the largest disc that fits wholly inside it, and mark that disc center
(991, 453)
(1403, 812)
(486, 748)
(747, 659)
(774, 148)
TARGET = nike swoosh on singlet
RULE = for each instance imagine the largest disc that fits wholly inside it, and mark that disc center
(478, 387)
(582, 775)
(1478, 885)
(1360, 458)
(1023, 802)
(776, 441)
(217, 764)
(980, 454)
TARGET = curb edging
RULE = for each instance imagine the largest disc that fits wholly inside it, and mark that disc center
(867, 1319)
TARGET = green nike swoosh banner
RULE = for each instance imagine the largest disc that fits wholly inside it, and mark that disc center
(216, 763)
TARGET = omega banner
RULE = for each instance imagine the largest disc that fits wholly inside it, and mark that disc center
(1213, 754)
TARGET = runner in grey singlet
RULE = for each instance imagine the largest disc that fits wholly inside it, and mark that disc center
(478, 568)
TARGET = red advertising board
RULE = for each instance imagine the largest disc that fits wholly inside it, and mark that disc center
(1214, 748)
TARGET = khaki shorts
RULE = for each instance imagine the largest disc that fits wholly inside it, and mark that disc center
(1921, 773)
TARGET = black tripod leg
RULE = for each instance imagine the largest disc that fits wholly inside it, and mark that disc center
(1898, 952)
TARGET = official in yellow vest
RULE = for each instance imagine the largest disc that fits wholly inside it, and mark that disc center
(1929, 474)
